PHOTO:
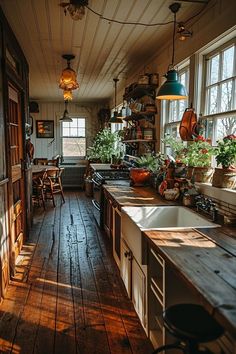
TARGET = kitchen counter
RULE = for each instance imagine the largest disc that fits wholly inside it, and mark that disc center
(100, 166)
(123, 195)
(205, 259)
(205, 265)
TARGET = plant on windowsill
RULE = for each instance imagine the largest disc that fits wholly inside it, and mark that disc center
(225, 154)
(178, 149)
(106, 146)
(198, 159)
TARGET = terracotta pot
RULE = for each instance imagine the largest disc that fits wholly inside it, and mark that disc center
(139, 176)
(203, 174)
(224, 178)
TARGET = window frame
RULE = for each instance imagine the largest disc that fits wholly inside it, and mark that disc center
(73, 159)
(210, 53)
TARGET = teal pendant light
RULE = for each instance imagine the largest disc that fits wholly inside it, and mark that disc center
(115, 119)
(172, 89)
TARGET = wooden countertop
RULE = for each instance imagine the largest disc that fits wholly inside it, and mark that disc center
(124, 195)
(205, 258)
(207, 267)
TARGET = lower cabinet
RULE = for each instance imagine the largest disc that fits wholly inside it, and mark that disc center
(166, 288)
(134, 279)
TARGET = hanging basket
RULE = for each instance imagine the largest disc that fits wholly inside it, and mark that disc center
(224, 178)
(203, 174)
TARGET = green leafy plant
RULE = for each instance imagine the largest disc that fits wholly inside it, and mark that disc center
(178, 149)
(198, 153)
(106, 145)
(151, 162)
(226, 152)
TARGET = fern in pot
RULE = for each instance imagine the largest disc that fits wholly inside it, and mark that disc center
(147, 167)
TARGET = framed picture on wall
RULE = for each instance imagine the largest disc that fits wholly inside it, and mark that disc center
(44, 128)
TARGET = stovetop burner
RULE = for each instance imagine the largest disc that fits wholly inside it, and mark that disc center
(112, 175)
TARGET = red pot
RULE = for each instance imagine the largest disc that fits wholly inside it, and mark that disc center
(139, 175)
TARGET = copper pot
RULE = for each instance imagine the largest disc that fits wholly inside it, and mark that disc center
(139, 176)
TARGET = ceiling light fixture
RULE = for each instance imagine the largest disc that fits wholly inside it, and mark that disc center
(172, 89)
(67, 94)
(115, 118)
(183, 32)
(66, 117)
(68, 80)
(76, 8)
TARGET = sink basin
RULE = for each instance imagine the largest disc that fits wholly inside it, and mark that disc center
(166, 218)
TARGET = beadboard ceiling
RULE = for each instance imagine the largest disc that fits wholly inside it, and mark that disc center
(103, 50)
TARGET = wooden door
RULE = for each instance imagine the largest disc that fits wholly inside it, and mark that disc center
(16, 173)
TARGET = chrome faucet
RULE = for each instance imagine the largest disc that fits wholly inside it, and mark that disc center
(206, 205)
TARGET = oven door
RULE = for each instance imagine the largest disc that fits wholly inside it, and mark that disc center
(97, 200)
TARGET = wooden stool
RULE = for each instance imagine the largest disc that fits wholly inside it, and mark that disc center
(191, 324)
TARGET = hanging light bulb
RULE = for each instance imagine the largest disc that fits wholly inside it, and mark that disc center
(67, 94)
(172, 89)
(68, 80)
(66, 117)
(115, 118)
(183, 32)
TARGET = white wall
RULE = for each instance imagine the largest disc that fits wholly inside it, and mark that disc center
(53, 111)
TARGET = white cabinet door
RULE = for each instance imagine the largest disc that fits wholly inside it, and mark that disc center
(126, 266)
(139, 292)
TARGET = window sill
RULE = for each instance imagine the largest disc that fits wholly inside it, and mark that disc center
(222, 194)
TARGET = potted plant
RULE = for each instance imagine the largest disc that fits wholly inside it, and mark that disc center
(177, 146)
(106, 145)
(147, 166)
(225, 152)
(198, 159)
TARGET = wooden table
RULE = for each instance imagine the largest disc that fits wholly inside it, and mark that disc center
(40, 168)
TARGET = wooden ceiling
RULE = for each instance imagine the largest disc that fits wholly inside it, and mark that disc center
(103, 49)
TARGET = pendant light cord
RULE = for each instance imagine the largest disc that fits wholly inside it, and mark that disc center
(173, 42)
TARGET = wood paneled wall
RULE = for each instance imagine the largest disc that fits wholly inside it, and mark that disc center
(53, 111)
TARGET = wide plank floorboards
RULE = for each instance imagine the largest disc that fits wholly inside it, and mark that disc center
(67, 296)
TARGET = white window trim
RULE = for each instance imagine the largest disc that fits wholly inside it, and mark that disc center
(59, 136)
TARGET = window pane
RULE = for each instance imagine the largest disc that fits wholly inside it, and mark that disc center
(65, 131)
(214, 70)
(208, 124)
(74, 147)
(226, 96)
(225, 126)
(173, 111)
(73, 124)
(228, 63)
(213, 100)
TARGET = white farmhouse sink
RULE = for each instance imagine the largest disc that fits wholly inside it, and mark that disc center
(166, 218)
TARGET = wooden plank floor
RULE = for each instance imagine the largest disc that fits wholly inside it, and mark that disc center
(67, 295)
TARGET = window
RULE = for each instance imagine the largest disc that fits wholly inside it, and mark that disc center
(173, 110)
(220, 92)
(73, 138)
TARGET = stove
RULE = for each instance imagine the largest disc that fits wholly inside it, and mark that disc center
(111, 175)
(99, 178)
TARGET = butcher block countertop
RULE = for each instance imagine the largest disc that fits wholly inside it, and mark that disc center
(123, 195)
(204, 258)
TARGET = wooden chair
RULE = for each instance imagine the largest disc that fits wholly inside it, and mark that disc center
(38, 188)
(53, 185)
(53, 162)
(40, 161)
